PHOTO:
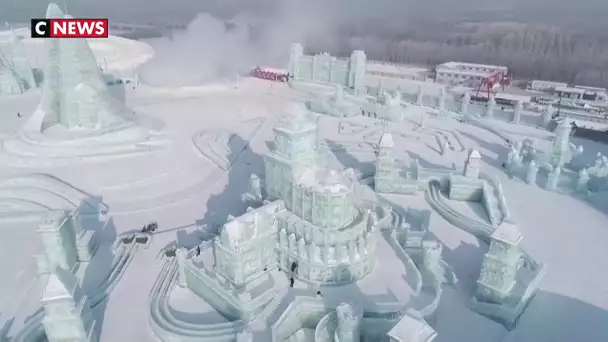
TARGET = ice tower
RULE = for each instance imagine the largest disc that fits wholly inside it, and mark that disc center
(500, 265)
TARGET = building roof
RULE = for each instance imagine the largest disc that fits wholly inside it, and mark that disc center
(474, 155)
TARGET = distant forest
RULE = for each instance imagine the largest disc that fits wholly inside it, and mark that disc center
(531, 51)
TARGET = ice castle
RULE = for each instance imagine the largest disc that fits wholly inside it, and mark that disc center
(322, 231)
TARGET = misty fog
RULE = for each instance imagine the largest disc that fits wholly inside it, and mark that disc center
(548, 39)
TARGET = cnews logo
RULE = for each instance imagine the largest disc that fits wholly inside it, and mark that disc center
(69, 28)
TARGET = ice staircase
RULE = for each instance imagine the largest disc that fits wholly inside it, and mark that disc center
(261, 320)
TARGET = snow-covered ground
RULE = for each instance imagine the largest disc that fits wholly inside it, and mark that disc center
(180, 185)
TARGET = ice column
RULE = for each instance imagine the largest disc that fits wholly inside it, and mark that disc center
(490, 107)
(181, 254)
(420, 95)
(531, 172)
(553, 179)
(547, 115)
(517, 111)
(583, 179)
(464, 104)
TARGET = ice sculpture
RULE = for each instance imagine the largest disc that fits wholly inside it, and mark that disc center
(67, 313)
(75, 97)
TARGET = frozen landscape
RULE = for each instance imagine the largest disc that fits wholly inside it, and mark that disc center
(332, 207)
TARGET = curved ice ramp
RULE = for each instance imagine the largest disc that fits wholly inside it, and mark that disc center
(437, 201)
(37, 193)
(167, 328)
(33, 330)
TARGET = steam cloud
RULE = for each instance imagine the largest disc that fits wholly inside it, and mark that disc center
(212, 49)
